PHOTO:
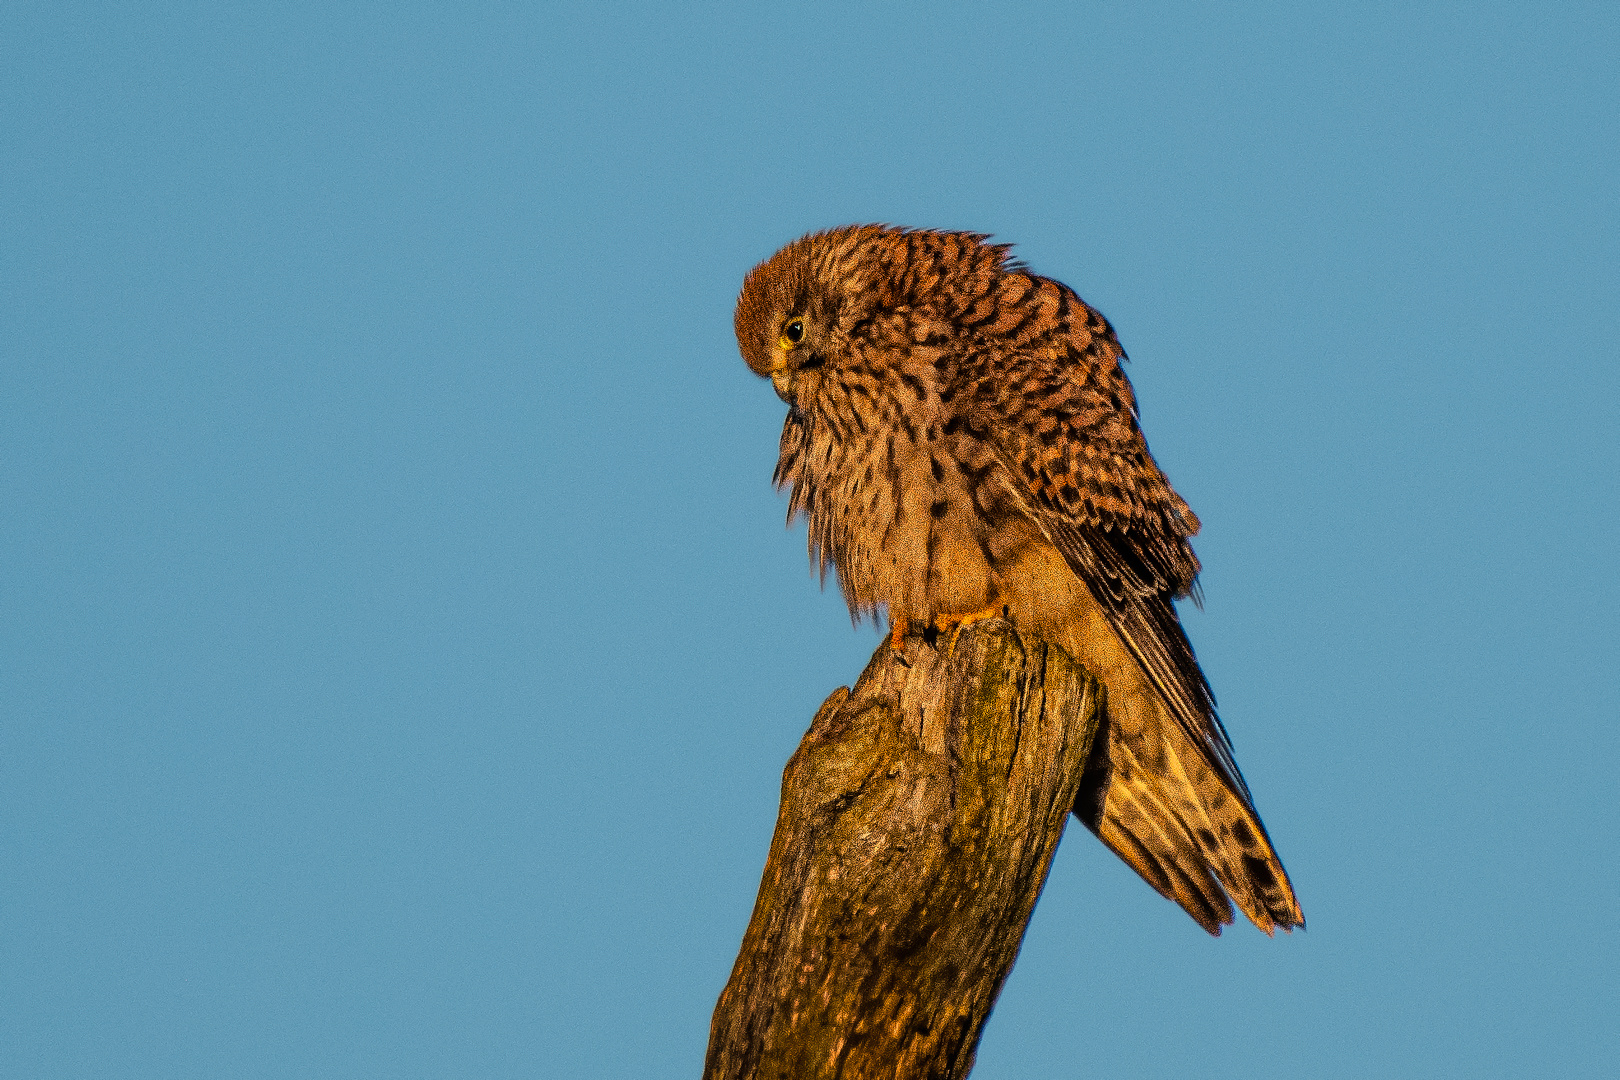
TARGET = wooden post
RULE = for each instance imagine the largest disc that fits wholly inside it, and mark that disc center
(918, 820)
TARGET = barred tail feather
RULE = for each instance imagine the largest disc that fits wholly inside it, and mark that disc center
(1149, 795)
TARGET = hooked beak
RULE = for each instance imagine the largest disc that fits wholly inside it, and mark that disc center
(784, 374)
(782, 382)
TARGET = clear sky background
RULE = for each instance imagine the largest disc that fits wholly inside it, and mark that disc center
(400, 641)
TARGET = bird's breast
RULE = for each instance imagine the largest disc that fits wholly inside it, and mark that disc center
(905, 495)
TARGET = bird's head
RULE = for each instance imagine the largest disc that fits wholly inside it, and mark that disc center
(803, 310)
(787, 315)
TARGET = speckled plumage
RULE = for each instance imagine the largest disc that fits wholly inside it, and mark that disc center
(961, 437)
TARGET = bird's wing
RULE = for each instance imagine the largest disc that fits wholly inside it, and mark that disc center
(1063, 422)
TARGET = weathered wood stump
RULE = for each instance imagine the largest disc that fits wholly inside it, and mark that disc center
(918, 821)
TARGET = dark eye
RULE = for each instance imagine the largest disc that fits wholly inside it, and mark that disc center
(794, 331)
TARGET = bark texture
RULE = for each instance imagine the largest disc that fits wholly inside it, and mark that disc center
(919, 817)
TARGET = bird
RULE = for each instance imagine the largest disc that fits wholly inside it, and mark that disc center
(963, 443)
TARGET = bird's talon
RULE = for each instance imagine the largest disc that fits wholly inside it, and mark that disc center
(955, 623)
(898, 626)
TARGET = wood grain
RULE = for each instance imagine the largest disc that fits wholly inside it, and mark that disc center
(918, 820)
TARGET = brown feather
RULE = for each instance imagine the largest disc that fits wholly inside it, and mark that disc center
(962, 435)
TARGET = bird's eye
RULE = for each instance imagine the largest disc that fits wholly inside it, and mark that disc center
(793, 332)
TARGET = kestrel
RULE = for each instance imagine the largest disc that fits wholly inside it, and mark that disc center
(963, 441)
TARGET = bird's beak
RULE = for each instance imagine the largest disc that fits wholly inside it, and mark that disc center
(782, 380)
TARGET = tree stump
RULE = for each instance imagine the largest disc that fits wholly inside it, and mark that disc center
(919, 818)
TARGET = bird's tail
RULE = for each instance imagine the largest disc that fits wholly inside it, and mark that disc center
(1150, 795)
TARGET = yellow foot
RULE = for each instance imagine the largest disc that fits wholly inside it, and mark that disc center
(955, 623)
(898, 625)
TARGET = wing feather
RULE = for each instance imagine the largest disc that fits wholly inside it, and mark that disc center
(1179, 811)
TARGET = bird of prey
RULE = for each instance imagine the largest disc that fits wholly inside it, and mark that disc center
(963, 442)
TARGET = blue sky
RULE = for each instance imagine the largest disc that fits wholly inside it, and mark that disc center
(402, 645)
